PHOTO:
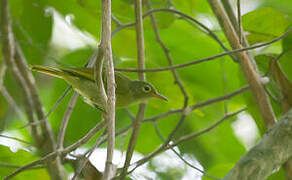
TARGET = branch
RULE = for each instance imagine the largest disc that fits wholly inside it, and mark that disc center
(204, 28)
(200, 105)
(251, 74)
(8, 51)
(7, 95)
(110, 101)
(237, 50)
(239, 21)
(231, 15)
(167, 53)
(179, 156)
(85, 138)
(84, 159)
(141, 64)
(17, 166)
(182, 139)
(47, 143)
(63, 127)
(196, 134)
(31, 165)
(51, 110)
(265, 158)
(14, 60)
(71, 105)
(64, 152)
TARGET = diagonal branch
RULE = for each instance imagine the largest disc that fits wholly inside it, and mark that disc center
(179, 156)
(268, 155)
(165, 147)
(168, 56)
(251, 74)
(236, 50)
(69, 110)
(110, 77)
(200, 105)
(141, 65)
(15, 61)
(7, 95)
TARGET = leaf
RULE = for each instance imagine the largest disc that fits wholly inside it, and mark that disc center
(282, 83)
(279, 175)
(284, 6)
(287, 43)
(30, 19)
(20, 158)
(264, 24)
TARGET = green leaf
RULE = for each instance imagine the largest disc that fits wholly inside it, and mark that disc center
(29, 19)
(19, 158)
(279, 175)
(287, 43)
(284, 6)
(264, 24)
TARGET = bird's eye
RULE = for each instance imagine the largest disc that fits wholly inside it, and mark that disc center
(146, 88)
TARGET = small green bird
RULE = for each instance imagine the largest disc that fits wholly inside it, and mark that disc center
(128, 91)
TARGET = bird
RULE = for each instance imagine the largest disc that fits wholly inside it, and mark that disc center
(128, 91)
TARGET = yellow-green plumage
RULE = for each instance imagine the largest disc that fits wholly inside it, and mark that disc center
(128, 91)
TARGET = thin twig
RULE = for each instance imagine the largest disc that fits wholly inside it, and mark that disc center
(30, 165)
(115, 19)
(249, 70)
(17, 139)
(182, 139)
(130, 114)
(200, 105)
(208, 58)
(8, 52)
(179, 156)
(141, 75)
(199, 133)
(85, 138)
(12, 103)
(3, 69)
(51, 110)
(204, 28)
(224, 84)
(71, 104)
(167, 53)
(7, 95)
(86, 157)
(174, 73)
(63, 127)
(17, 166)
(239, 21)
(118, 133)
(63, 152)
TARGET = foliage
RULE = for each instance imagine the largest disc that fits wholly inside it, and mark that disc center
(34, 25)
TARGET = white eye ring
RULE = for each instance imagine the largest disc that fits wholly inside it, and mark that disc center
(146, 88)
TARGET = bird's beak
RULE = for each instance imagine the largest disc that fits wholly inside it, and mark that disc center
(156, 95)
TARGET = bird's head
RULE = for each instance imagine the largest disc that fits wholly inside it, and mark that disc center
(143, 90)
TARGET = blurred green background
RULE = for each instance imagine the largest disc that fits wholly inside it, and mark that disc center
(68, 31)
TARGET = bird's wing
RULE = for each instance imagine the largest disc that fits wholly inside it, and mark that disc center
(88, 73)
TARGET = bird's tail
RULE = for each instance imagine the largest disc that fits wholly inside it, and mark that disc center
(48, 70)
